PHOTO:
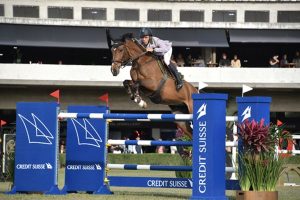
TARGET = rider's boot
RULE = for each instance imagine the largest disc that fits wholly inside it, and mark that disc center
(174, 71)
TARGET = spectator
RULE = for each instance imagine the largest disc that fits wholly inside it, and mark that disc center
(138, 148)
(116, 149)
(173, 148)
(180, 61)
(224, 62)
(199, 62)
(160, 149)
(296, 60)
(62, 147)
(274, 62)
(284, 61)
(131, 149)
(125, 147)
(235, 62)
(189, 60)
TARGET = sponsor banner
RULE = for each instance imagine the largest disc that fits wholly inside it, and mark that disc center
(151, 182)
(256, 108)
(158, 182)
(209, 128)
(85, 145)
(36, 147)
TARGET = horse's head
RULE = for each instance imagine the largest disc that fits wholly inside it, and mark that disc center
(120, 57)
(123, 51)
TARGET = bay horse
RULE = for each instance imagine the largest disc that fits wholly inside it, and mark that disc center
(151, 78)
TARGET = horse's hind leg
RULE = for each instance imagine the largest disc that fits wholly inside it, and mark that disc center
(185, 126)
(128, 85)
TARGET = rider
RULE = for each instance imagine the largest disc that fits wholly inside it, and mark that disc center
(160, 48)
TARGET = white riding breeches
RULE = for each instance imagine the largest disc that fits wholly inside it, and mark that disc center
(167, 57)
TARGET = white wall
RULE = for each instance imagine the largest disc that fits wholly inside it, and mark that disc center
(92, 75)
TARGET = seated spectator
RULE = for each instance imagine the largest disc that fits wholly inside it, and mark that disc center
(116, 149)
(274, 62)
(180, 61)
(235, 62)
(199, 62)
(224, 62)
(160, 149)
(189, 60)
(296, 60)
(284, 61)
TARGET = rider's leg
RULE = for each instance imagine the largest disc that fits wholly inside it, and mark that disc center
(173, 69)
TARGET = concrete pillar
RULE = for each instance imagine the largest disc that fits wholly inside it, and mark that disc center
(77, 12)
(175, 15)
(208, 15)
(110, 14)
(240, 16)
(43, 11)
(143, 15)
(8, 10)
(273, 16)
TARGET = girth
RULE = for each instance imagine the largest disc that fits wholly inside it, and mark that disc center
(155, 97)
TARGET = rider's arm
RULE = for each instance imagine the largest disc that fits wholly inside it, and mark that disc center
(162, 46)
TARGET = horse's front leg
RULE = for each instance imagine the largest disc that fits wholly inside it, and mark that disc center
(137, 97)
(128, 85)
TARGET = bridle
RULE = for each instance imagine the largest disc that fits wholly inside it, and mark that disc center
(130, 60)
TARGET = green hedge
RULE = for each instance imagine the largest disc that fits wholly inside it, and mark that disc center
(146, 159)
(154, 159)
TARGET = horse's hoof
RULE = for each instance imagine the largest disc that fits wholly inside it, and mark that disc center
(145, 105)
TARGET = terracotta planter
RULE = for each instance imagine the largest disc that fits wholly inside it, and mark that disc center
(256, 195)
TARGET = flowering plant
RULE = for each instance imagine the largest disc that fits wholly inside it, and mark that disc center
(185, 153)
(259, 165)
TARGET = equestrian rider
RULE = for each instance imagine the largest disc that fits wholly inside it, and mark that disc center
(160, 48)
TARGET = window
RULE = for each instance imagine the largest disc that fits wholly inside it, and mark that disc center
(159, 15)
(127, 14)
(256, 16)
(26, 11)
(224, 16)
(288, 16)
(60, 12)
(191, 16)
(1, 10)
(94, 13)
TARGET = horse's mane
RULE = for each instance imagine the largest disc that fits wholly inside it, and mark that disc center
(130, 36)
(127, 36)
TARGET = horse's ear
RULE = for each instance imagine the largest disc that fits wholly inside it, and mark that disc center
(109, 38)
(127, 36)
(131, 35)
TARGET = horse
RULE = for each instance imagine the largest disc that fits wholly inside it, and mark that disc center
(151, 78)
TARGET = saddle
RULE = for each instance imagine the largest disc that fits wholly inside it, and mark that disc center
(165, 69)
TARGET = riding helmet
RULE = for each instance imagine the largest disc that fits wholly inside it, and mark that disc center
(145, 32)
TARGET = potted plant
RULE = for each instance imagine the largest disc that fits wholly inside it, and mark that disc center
(259, 164)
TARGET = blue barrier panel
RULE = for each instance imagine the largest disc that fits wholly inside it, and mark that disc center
(86, 152)
(209, 127)
(256, 108)
(36, 148)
